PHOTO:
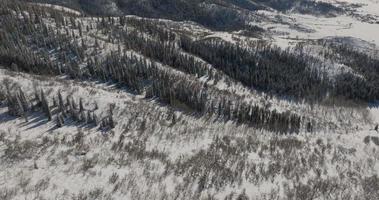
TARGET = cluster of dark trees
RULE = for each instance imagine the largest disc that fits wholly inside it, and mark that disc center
(285, 73)
(215, 14)
(352, 86)
(179, 91)
(150, 27)
(176, 90)
(303, 6)
(204, 99)
(28, 42)
(20, 106)
(132, 72)
(162, 47)
(70, 109)
(223, 15)
(29, 38)
(261, 66)
(17, 104)
(64, 109)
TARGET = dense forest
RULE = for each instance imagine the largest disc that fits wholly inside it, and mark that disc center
(215, 14)
(28, 43)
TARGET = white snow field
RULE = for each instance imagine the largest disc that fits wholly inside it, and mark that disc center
(294, 26)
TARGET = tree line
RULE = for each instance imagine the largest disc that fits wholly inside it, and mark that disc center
(137, 72)
(282, 72)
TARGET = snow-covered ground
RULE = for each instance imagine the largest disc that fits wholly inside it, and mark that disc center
(39, 160)
(159, 152)
(288, 28)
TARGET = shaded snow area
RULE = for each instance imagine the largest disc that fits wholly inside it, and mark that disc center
(155, 152)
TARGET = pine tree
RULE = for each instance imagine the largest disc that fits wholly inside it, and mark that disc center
(81, 107)
(73, 104)
(83, 117)
(95, 119)
(89, 117)
(80, 30)
(68, 101)
(24, 101)
(59, 120)
(22, 110)
(111, 123)
(45, 106)
(14, 105)
(38, 103)
(61, 104)
(55, 104)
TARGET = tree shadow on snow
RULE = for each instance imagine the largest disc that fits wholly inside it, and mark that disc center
(5, 117)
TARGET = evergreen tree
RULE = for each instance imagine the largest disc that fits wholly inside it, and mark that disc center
(81, 106)
(61, 105)
(59, 120)
(45, 106)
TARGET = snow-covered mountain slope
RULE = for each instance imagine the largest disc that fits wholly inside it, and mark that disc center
(364, 7)
(288, 28)
(150, 155)
(282, 106)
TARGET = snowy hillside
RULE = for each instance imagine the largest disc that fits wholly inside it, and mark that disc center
(119, 100)
(150, 155)
(361, 22)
